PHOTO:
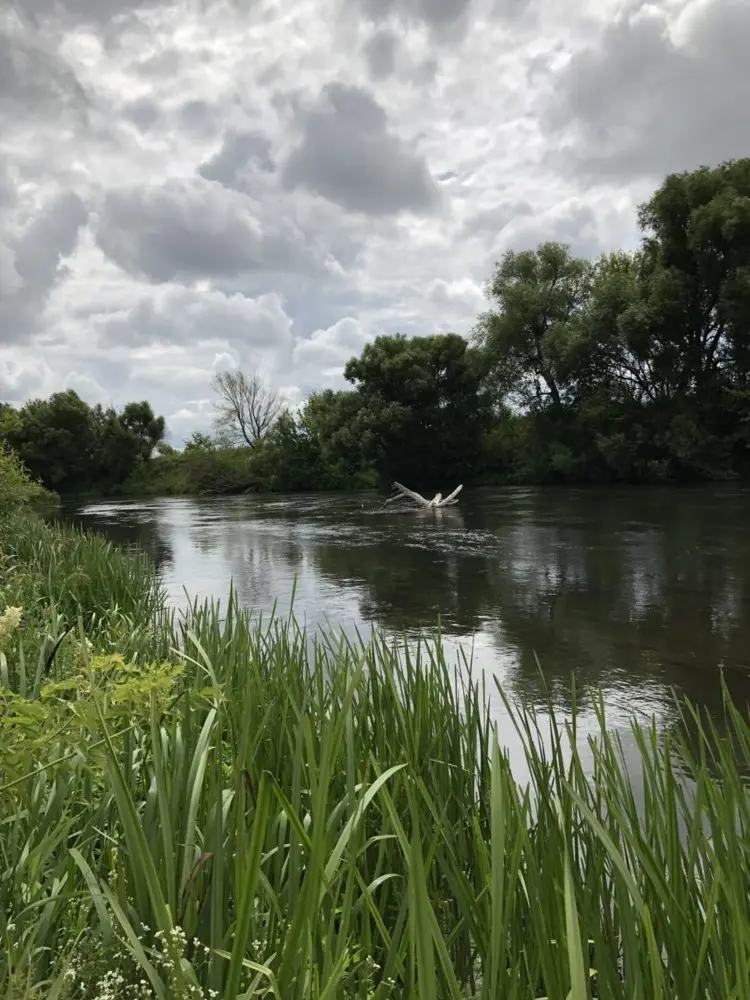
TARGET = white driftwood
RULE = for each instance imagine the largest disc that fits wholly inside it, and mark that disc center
(421, 502)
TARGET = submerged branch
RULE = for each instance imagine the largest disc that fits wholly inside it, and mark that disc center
(411, 500)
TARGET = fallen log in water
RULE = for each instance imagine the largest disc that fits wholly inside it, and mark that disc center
(416, 501)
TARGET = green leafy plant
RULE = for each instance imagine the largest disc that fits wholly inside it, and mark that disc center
(17, 488)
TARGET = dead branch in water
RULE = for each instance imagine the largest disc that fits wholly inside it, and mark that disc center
(410, 500)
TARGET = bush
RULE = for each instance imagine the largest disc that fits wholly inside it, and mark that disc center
(17, 488)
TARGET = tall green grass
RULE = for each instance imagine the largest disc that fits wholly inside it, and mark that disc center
(81, 572)
(59, 574)
(331, 821)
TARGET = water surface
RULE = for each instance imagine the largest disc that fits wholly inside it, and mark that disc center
(634, 591)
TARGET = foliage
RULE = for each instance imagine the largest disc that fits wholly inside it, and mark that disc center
(339, 433)
(46, 719)
(257, 814)
(528, 343)
(638, 367)
(17, 488)
(145, 429)
(60, 576)
(423, 403)
(72, 447)
(199, 469)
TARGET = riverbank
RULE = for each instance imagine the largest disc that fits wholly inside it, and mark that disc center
(202, 807)
(236, 471)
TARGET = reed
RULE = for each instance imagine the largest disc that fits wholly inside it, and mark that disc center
(262, 815)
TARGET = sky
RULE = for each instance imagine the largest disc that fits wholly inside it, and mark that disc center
(189, 185)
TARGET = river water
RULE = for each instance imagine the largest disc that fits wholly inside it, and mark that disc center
(636, 592)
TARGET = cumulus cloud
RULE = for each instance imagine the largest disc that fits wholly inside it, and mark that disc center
(190, 230)
(34, 78)
(495, 218)
(462, 293)
(22, 379)
(350, 154)
(258, 330)
(238, 151)
(10, 279)
(143, 113)
(656, 93)
(30, 262)
(327, 351)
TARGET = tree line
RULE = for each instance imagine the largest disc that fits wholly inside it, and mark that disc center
(631, 368)
(71, 447)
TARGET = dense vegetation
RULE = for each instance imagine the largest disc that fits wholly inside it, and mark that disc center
(72, 447)
(631, 368)
(205, 808)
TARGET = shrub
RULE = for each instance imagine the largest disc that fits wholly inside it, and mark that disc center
(17, 488)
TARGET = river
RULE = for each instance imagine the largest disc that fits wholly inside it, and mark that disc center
(636, 592)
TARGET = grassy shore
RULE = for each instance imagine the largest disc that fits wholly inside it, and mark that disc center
(205, 807)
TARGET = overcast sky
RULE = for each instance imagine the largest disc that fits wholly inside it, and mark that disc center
(271, 183)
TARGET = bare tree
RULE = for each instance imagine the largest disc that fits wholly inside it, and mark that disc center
(246, 408)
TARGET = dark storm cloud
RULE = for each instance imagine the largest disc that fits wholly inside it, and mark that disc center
(188, 231)
(380, 53)
(36, 255)
(239, 151)
(638, 105)
(349, 155)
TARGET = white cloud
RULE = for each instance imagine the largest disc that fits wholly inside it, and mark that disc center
(663, 88)
(184, 186)
(462, 294)
(327, 351)
(224, 361)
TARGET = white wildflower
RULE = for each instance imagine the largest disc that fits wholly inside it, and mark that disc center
(10, 619)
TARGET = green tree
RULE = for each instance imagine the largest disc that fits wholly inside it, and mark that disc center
(540, 296)
(424, 405)
(288, 457)
(676, 324)
(144, 426)
(55, 441)
(72, 447)
(200, 442)
(342, 427)
(637, 366)
(697, 281)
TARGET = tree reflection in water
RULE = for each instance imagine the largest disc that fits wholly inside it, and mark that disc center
(635, 592)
